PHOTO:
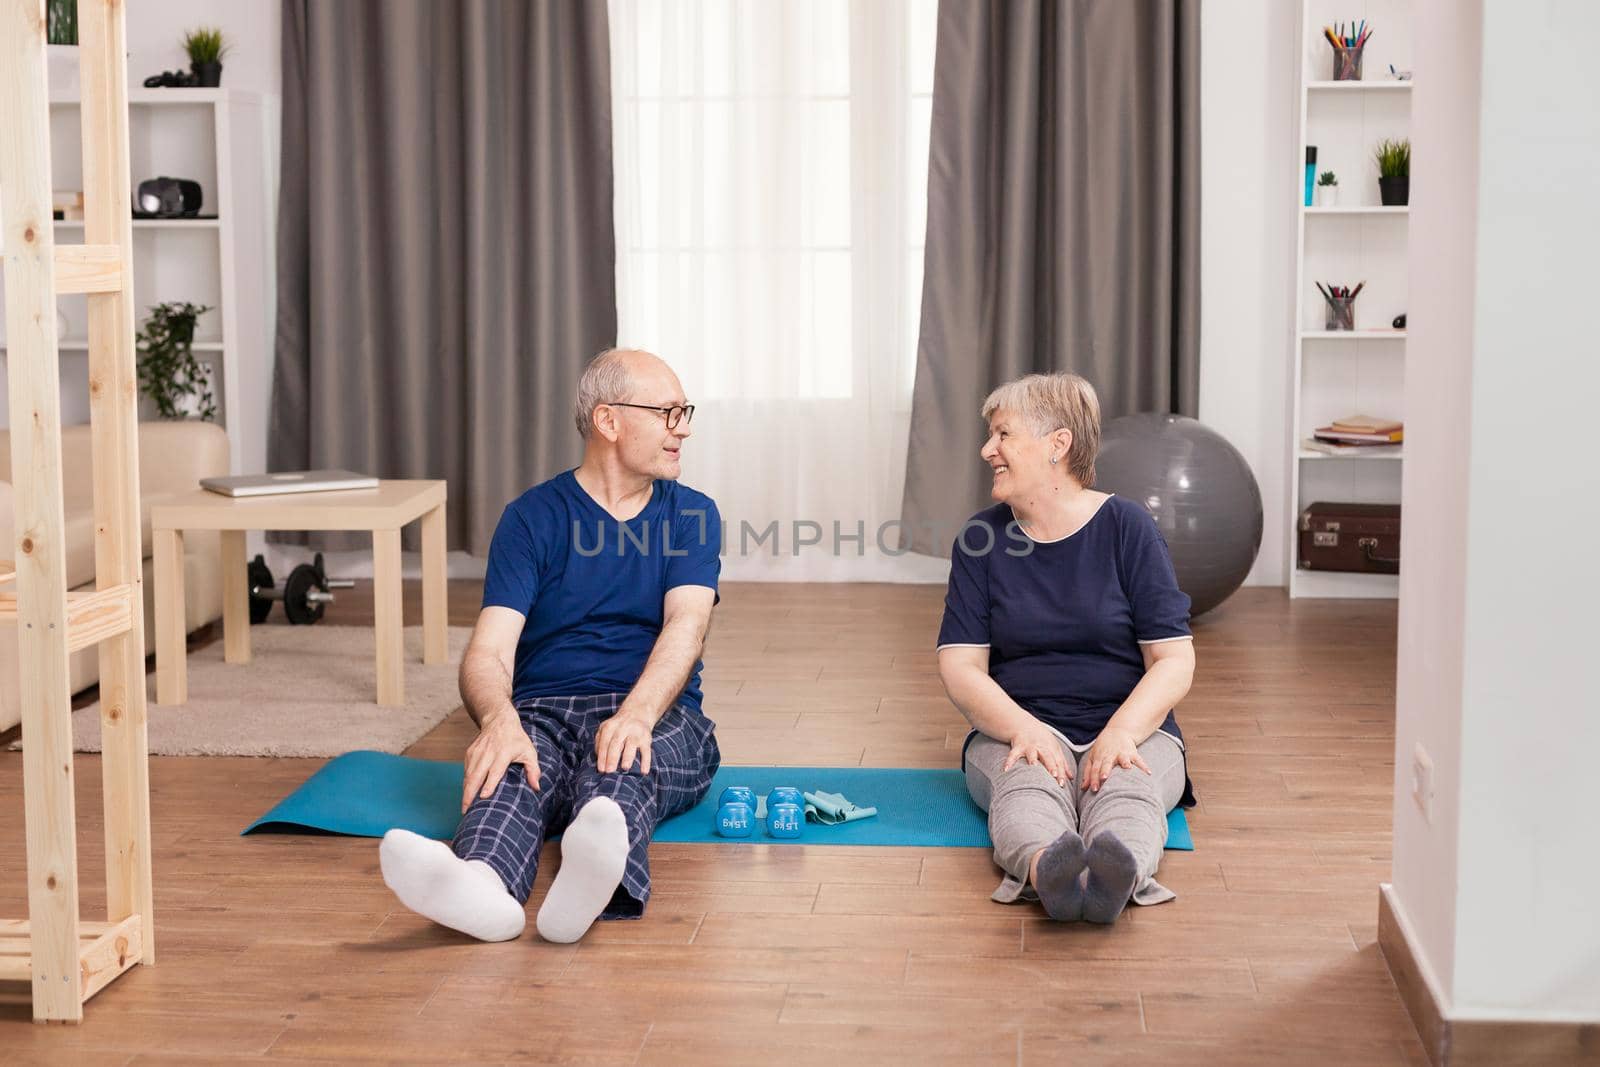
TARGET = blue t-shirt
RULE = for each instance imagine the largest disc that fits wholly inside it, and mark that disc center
(1063, 620)
(591, 587)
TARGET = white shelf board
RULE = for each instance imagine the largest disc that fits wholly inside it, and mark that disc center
(1373, 209)
(142, 97)
(153, 224)
(1384, 85)
(1352, 335)
(1307, 453)
(78, 344)
(1349, 585)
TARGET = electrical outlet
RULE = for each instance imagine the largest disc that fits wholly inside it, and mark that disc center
(1422, 781)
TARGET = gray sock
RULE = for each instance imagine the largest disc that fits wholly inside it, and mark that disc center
(1113, 873)
(1059, 881)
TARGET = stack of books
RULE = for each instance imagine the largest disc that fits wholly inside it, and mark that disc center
(1358, 433)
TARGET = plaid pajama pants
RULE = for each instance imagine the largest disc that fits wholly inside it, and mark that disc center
(507, 829)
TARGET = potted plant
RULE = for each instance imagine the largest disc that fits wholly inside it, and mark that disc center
(169, 373)
(206, 48)
(1394, 172)
(61, 39)
(1327, 189)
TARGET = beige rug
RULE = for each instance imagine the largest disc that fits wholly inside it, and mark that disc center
(307, 691)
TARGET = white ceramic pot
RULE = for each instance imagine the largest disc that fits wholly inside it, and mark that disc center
(1327, 196)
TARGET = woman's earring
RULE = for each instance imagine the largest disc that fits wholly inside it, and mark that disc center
(1053, 460)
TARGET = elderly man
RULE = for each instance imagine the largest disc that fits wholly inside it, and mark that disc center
(583, 675)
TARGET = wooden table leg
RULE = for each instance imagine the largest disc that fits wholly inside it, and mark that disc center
(388, 620)
(235, 599)
(435, 648)
(172, 673)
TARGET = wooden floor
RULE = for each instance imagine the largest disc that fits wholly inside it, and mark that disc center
(290, 949)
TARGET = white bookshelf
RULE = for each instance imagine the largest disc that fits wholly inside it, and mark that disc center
(219, 138)
(1361, 371)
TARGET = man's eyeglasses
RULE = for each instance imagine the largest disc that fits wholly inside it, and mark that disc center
(675, 414)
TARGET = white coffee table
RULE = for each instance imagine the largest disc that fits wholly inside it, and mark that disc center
(383, 511)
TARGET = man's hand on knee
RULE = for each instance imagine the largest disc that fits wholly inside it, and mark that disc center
(620, 739)
(501, 741)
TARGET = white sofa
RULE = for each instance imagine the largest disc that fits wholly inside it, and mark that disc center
(173, 457)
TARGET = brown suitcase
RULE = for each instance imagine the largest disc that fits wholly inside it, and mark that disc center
(1350, 537)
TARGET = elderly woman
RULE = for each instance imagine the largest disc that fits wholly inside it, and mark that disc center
(1066, 645)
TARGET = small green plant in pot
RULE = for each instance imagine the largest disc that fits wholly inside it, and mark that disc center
(169, 373)
(61, 22)
(1327, 189)
(206, 47)
(1394, 172)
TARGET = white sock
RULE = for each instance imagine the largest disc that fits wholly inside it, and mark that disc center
(594, 853)
(434, 882)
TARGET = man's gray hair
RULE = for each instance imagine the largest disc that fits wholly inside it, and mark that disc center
(605, 381)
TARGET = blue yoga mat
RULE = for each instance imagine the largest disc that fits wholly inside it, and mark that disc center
(365, 794)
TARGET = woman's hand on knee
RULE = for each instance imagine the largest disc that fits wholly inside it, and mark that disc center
(1112, 749)
(1037, 744)
(501, 741)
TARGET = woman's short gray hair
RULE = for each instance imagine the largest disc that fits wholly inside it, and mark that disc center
(605, 381)
(1050, 402)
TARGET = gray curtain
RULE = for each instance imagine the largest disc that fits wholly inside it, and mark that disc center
(446, 254)
(1063, 224)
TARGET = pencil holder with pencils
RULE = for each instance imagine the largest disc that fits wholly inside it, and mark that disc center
(1347, 42)
(1347, 64)
(1341, 313)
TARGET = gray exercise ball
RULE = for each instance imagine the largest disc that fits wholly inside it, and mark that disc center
(1199, 489)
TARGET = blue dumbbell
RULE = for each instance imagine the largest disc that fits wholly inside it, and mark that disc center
(784, 794)
(785, 820)
(741, 793)
(736, 819)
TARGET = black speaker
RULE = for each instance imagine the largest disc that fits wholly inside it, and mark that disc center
(167, 198)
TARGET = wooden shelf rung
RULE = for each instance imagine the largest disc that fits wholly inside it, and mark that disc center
(89, 269)
(105, 950)
(92, 617)
(109, 954)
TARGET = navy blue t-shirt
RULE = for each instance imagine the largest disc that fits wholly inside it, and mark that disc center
(591, 587)
(1064, 621)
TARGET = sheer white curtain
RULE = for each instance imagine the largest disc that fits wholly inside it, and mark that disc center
(771, 174)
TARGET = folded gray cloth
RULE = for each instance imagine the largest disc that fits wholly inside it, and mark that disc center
(831, 809)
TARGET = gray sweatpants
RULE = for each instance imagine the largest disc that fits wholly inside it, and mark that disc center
(1028, 810)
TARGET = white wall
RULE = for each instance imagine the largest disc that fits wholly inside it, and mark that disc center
(1500, 496)
(1528, 921)
(254, 28)
(1439, 442)
(1248, 108)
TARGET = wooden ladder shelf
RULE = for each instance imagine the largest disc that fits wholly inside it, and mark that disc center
(66, 960)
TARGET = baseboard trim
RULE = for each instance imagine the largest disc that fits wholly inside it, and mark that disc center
(1470, 1042)
(1416, 992)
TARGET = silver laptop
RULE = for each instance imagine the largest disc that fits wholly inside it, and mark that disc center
(288, 482)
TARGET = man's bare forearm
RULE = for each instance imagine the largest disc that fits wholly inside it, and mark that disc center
(485, 686)
(682, 640)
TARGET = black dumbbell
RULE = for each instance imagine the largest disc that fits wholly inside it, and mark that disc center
(306, 595)
(260, 583)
